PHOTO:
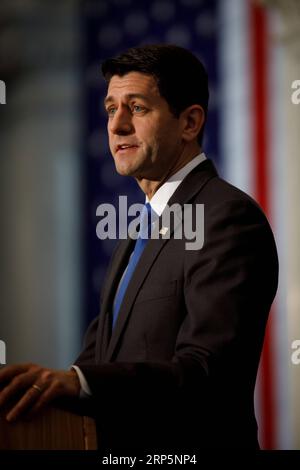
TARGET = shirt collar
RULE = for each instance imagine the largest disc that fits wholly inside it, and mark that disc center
(163, 194)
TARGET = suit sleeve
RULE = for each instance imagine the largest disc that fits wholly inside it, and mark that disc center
(87, 355)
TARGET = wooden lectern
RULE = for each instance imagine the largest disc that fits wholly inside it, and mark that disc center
(53, 429)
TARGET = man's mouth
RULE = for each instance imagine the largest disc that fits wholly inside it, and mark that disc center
(124, 147)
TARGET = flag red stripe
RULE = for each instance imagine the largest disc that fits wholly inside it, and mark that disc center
(261, 153)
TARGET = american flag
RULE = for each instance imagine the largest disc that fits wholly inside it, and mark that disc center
(235, 41)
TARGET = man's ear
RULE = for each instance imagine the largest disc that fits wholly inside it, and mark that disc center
(193, 119)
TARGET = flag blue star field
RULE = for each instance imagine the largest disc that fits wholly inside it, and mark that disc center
(233, 38)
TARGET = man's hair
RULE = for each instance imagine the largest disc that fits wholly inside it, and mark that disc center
(181, 77)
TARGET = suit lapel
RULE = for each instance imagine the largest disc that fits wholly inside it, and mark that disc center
(192, 185)
(151, 251)
(114, 273)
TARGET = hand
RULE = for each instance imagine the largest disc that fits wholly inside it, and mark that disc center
(40, 386)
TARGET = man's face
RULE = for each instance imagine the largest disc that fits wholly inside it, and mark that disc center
(144, 136)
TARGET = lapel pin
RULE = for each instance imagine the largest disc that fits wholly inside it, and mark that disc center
(163, 230)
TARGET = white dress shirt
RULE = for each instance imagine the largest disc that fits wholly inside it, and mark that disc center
(160, 199)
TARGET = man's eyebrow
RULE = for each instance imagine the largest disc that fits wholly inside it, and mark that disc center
(129, 96)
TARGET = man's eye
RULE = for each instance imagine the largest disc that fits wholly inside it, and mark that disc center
(137, 109)
(111, 111)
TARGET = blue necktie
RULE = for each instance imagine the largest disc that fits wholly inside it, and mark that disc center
(145, 228)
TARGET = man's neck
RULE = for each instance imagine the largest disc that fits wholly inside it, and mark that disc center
(149, 187)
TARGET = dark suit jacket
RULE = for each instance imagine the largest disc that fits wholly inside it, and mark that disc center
(179, 369)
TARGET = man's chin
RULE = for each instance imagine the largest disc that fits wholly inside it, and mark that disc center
(124, 170)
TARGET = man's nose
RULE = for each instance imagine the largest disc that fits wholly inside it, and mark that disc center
(121, 123)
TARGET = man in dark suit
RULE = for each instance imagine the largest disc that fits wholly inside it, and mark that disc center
(171, 360)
